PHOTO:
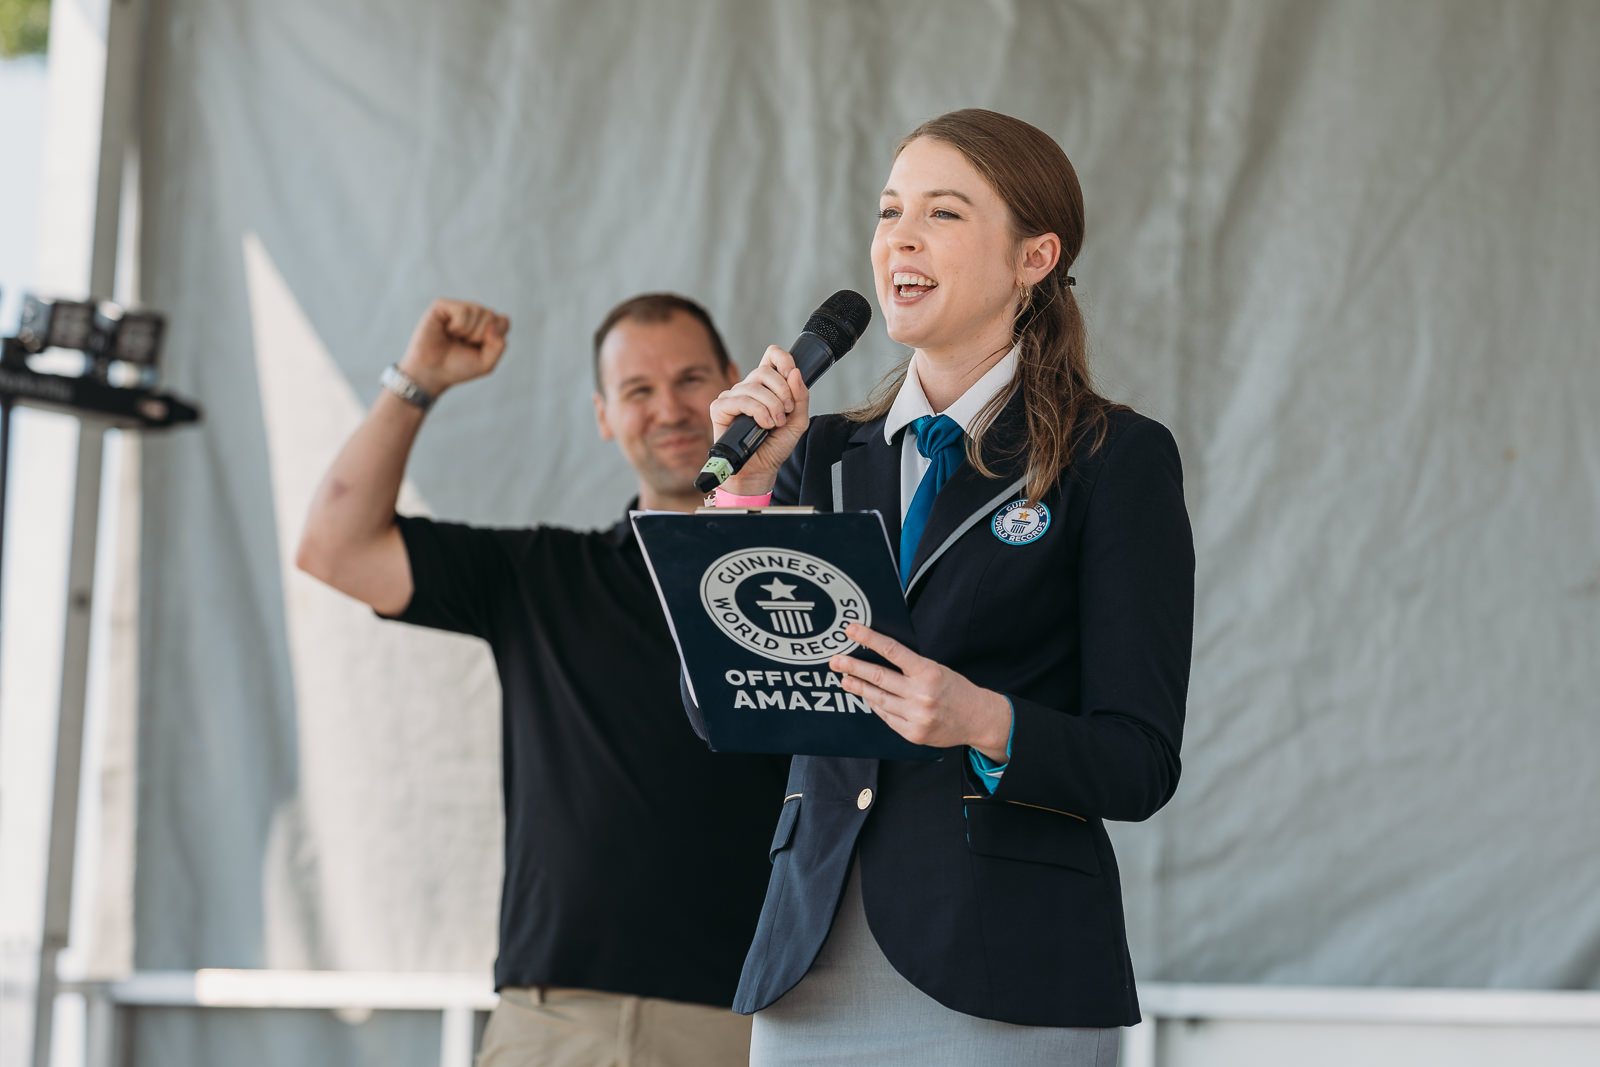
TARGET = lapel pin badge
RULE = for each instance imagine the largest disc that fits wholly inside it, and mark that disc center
(1021, 523)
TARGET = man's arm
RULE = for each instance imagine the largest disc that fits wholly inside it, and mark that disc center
(350, 539)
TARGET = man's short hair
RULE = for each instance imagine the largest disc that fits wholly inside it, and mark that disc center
(656, 307)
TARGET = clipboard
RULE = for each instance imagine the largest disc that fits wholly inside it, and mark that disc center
(757, 602)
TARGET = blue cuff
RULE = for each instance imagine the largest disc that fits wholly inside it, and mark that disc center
(989, 771)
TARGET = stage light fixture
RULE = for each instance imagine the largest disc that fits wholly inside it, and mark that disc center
(127, 336)
(107, 333)
(55, 324)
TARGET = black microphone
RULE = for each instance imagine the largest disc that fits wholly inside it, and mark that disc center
(831, 331)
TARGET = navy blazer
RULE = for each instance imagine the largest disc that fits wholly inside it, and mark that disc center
(1007, 906)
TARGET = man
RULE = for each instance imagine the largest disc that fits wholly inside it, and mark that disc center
(635, 859)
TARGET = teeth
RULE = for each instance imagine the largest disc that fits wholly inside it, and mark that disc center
(903, 278)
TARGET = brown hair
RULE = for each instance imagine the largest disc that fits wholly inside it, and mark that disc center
(656, 307)
(1037, 183)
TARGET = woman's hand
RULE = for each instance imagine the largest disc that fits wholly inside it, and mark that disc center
(455, 341)
(775, 395)
(924, 702)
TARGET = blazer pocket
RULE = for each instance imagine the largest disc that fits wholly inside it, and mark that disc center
(1033, 835)
(785, 830)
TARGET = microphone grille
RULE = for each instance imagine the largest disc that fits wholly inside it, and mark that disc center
(840, 320)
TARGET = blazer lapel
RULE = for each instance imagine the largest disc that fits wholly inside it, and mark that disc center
(869, 476)
(968, 497)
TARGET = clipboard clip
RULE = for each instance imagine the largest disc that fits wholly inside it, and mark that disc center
(772, 509)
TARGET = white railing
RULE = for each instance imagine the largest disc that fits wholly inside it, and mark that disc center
(1351, 1005)
(457, 998)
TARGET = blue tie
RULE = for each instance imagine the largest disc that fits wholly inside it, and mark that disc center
(939, 438)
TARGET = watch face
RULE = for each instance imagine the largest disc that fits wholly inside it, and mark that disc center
(394, 379)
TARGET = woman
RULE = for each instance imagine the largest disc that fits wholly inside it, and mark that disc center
(968, 910)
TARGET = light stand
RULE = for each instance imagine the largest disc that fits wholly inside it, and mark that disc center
(111, 338)
(120, 347)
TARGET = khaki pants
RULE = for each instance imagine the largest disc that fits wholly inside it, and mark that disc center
(545, 1026)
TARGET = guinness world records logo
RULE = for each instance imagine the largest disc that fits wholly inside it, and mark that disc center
(1018, 523)
(782, 605)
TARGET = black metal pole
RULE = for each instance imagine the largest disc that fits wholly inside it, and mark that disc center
(10, 354)
(5, 468)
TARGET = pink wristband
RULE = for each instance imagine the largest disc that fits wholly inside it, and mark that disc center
(725, 499)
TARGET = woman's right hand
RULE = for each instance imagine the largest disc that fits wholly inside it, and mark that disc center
(775, 395)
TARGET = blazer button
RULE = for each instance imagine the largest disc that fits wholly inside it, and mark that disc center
(864, 799)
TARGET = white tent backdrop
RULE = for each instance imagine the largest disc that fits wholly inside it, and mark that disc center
(1347, 251)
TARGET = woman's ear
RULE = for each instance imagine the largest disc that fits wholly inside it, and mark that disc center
(1039, 257)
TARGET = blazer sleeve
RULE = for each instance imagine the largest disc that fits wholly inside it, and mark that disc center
(786, 490)
(1118, 757)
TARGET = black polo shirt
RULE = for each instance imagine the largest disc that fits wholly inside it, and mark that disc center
(636, 859)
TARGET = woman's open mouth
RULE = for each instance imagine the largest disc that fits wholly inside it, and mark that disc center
(911, 286)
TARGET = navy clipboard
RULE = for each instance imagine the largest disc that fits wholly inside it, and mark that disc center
(757, 603)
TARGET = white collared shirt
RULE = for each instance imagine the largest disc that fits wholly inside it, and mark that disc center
(911, 403)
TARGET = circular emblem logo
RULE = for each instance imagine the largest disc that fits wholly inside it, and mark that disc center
(1020, 523)
(782, 605)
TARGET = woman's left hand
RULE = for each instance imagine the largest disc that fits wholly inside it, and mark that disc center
(925, 702)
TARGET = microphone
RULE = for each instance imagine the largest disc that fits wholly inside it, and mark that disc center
(830, 332)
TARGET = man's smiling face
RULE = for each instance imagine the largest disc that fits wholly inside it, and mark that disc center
(657, 381)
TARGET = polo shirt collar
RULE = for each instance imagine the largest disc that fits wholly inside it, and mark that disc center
(622, 532)
(911, 403)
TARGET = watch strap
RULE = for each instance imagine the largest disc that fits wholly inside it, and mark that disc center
(405, 387)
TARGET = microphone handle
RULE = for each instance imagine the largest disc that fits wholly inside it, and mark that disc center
(812, 355)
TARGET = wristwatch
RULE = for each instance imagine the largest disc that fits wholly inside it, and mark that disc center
(401, 385)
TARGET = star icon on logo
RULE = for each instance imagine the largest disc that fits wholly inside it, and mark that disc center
(778, 590)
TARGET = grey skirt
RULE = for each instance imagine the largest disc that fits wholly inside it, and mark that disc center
(853, 1007)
